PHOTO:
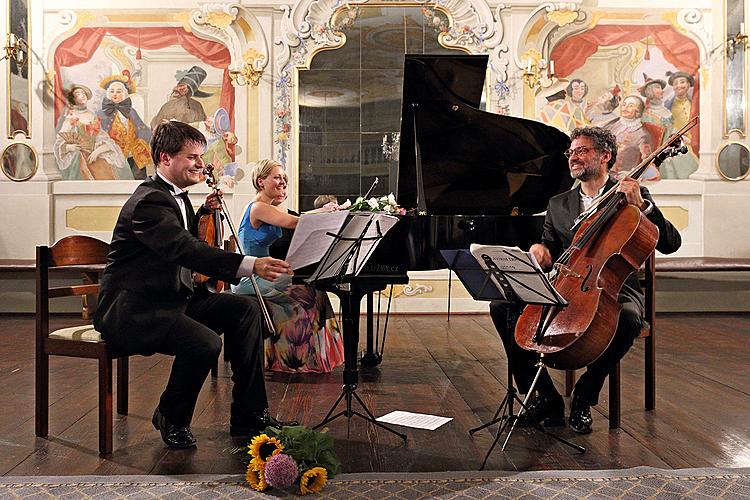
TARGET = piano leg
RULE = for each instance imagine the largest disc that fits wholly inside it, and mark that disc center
(350, 296)
(370, 357)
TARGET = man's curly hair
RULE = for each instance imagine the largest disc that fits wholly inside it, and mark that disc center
(602, 138)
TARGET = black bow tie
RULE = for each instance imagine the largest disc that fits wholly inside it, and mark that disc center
(184, 196)
(124, 107)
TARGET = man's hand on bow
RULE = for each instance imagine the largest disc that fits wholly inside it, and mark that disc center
(269, 268)
(632, 190)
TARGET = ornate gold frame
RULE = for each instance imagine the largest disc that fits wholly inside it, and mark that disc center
(13, 133)
(718, 167)
(36, 160)
(727, 133)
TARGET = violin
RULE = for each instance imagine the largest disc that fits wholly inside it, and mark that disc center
(211, 231)
(613, 239)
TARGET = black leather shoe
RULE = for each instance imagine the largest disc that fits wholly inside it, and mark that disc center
(256, 423)
(580, 417)
(174, 436)
(549, 410)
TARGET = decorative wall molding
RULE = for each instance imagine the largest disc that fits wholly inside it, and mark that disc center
(224, 23)
(310, 26)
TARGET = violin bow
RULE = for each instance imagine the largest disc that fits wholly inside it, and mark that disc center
(208, 171)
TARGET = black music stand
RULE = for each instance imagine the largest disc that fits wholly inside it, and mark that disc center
(337, 273)
(490, 282)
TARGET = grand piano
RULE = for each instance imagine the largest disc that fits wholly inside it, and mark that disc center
(465, 176)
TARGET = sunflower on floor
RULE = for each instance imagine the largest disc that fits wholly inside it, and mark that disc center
(279, 458)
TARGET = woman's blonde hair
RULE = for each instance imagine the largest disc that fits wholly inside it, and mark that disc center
(263, 169)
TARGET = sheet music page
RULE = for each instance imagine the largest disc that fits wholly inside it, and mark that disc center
(522, 272)
(310, 241)
(380, 225)
(360, 226)
(415, 420)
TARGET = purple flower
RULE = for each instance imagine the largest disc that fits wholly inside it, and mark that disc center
(281, 471)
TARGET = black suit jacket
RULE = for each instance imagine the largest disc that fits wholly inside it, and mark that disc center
(563, 209)
(147, 280)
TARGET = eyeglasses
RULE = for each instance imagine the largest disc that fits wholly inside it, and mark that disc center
(581, 150)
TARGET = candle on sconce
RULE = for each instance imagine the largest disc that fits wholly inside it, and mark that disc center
(551, 67)
(742, 28)
(528, 68)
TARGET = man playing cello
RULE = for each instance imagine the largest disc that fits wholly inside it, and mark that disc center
(592, 153)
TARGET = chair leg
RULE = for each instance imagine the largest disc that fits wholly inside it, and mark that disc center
(650, 371)
(570, 379)
(41, 423)
(123, 372)
(105, 405)
(614, 397)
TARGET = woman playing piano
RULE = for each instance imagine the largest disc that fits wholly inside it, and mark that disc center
(308, 337)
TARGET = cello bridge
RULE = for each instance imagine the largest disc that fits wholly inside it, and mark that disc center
(566, 271)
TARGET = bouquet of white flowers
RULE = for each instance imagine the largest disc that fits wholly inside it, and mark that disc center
(385, 204)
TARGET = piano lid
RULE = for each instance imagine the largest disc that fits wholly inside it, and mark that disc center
(473, 162)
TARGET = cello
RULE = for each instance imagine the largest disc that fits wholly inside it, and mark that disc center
(612, 240)
(211, 231)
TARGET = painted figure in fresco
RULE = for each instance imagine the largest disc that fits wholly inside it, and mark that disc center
(680, 167)
(601, 113)
(565, 108)
(82, 149)
(181, 106)
(635, 140)
(220, 141)
(124, 125)
(656, 112)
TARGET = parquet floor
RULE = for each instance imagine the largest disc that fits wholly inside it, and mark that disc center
(454, 369)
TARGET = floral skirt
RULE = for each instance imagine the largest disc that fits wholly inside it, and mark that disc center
(308, 338)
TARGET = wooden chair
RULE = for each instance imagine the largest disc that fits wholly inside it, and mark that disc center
(74, 253)
(647, 333)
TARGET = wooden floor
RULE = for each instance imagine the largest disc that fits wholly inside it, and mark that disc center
(430, 366)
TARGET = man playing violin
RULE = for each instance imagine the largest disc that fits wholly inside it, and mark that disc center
(592, 153)
(148, 303)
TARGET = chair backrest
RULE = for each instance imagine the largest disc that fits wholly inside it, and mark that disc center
(71, 251)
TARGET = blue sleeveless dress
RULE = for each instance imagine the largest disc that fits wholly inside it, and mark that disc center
(309, 339)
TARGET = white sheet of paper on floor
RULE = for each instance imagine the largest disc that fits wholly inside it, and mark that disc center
(415, 420)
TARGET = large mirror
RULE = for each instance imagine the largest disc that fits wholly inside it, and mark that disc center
(733, 161)
(19, 83)
(19, 161)
(349, 101)
(734, 82)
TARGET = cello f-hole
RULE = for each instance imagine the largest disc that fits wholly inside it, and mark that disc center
(584, 284)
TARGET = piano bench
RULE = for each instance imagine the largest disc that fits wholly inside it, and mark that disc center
(648, 282)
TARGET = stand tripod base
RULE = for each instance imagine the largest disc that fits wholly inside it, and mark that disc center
(348, 394)
(510, 419)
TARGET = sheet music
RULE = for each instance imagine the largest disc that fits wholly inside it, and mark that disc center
(310, 241)
(364, 226)
(415, 420)
(522, 271)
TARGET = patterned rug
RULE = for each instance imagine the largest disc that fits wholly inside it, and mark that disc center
(641, 482)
